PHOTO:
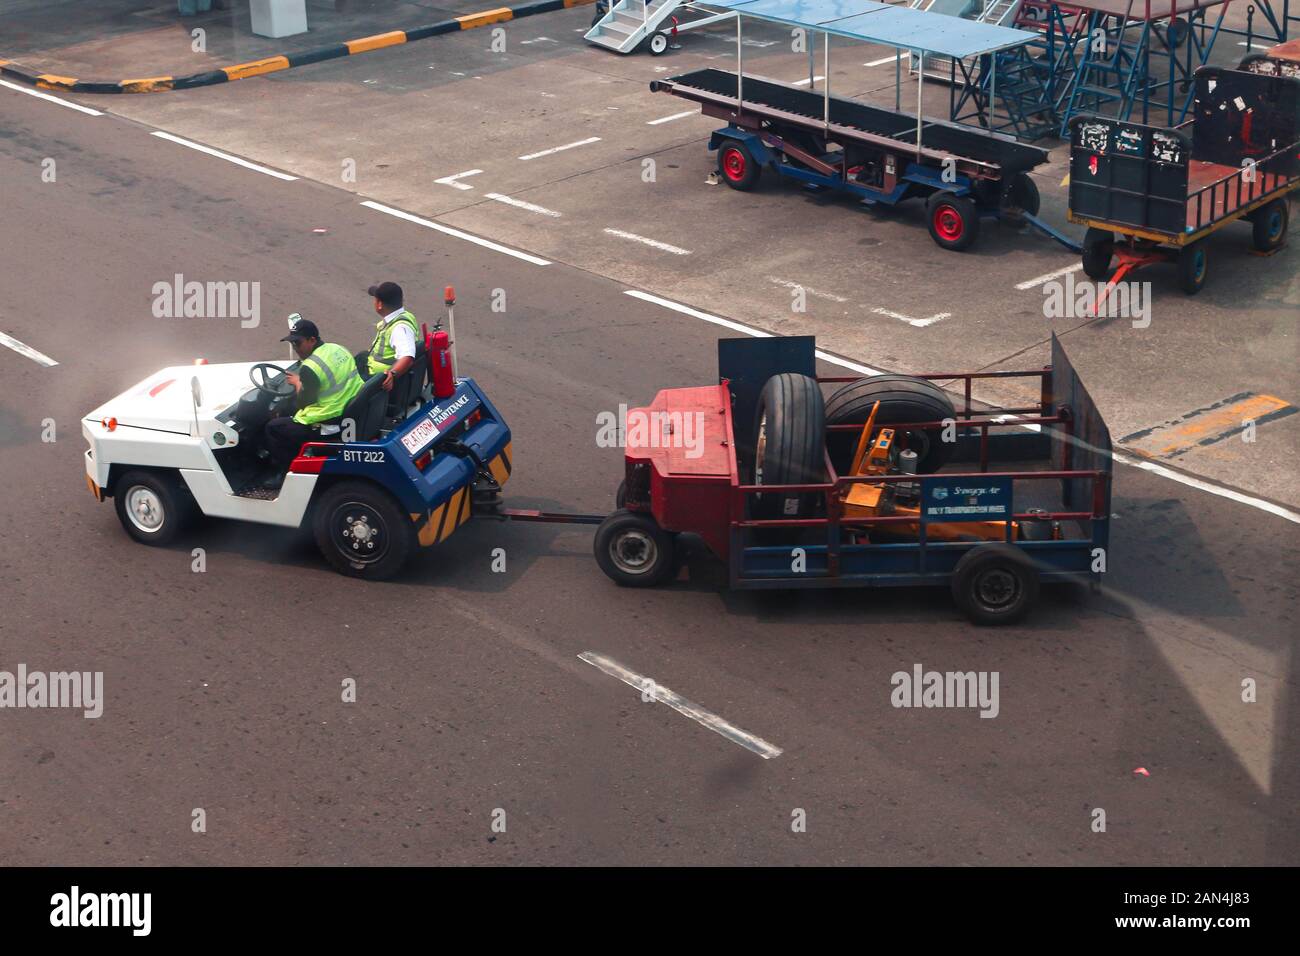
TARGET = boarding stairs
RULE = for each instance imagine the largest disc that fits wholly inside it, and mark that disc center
(627, 23)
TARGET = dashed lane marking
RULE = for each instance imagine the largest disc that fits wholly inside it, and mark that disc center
(454, 180)
(226, 156)
(560, 149)
(520, 204)
(661, 694)
(1048, 277)
(653, 243)
(447, 230)
(669, 119)
(23, 349)
(53, 99)
(916, 323)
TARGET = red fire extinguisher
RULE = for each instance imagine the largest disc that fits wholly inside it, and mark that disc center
(441, 356)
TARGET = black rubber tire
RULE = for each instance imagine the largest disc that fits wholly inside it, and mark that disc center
(168, 496)
(1193, 266)
(1023, 194)
(653, 44)
(397, 538)
(1266, 219)
(633, 550)
(984, 574)
(736, 165)
(962, 215)
(902, 399)
(1098, 251)
(791, 422)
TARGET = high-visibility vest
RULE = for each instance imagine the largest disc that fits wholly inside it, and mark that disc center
(382, 354)
(336, 370)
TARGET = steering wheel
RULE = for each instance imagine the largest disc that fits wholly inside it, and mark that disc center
(280, 389)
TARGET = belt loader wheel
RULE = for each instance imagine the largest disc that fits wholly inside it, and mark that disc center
(633, 550)
(954, 220)
(736, 165)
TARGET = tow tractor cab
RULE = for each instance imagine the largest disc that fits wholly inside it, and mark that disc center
(401, 469)
(795, 481)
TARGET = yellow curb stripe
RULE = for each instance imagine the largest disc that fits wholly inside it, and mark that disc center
(50, 81)
(376, 42)
(149, 84)
(256, 67)
(1221, 419)
(484, 18)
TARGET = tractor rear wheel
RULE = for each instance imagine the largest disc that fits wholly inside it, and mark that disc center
(789, 444)
(362, 532)
(902, 399)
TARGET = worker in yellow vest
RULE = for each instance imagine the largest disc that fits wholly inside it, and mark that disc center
(327, 379)
(393, 349)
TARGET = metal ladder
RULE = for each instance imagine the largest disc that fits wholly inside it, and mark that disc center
(1000, 13)
(629, 22)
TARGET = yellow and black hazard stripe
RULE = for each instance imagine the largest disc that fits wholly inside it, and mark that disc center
(287, 61)
(500, 466)
(446, 518)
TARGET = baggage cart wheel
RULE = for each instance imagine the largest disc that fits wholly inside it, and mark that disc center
(633, 550)
(361, 531)
(154, 508)
(789, 441)
(954, 220)
(1098, 250)
(658, 43)
(995, 584)
(902, 399)
(1193, 267)
(1023, 194)
(736, 165)
(1270, 224)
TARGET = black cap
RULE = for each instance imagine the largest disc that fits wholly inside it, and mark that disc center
(302, 329)
(389, 293)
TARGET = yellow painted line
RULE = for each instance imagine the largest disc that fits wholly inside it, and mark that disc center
(1066, 180)
(484, 18)
(1221, 419)
(577, 3)
(376, 42)
(50, 81)
(256, 67)
(149, 84)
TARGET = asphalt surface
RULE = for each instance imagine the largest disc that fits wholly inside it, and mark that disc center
(223, 688)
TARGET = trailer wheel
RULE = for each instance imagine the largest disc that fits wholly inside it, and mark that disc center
(789, 444)
(902, 399)
(1023, 194)
(1270, 224)
(633, 550)
(154, 507)
(361, 531)
(995, 584)
(736, 165)
(1098, 250)
(954, 220)
(658, 43)
(1193, 267)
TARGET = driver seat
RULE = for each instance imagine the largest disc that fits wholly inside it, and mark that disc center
(366, 409)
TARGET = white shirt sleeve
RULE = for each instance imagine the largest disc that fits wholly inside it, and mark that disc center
(403, 341)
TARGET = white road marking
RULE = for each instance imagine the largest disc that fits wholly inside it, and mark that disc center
(918, 323)
(686, 708)
(53, 99)
(1213, 489)
(1039, 280)
(520, 204)
(23, 349)
(226, 156)
(447, 230)
(655, 243)
(538, 40)
(669, 119)
(888, 59)
(560, 149)
(452, 180)
(809, 289)
(805, 81)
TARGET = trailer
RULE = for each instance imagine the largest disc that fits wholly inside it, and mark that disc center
(878, 155)
(991, 502)
(1152, 194)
